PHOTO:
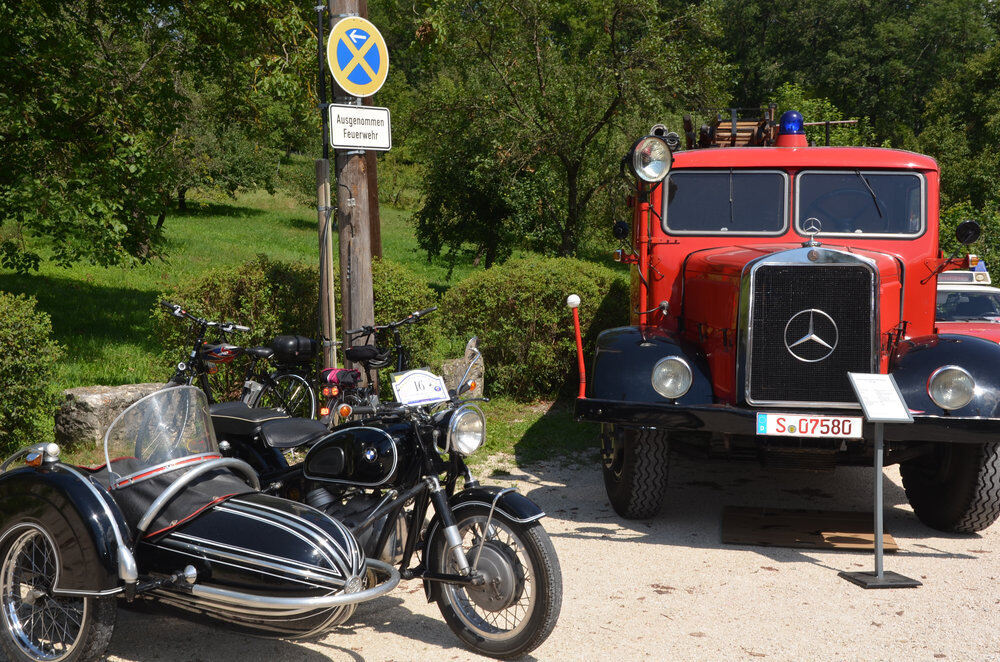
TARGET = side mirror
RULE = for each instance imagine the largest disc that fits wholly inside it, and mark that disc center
(620, 230)
(968, 232)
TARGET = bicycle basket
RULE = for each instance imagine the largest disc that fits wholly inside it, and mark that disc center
(293, 350)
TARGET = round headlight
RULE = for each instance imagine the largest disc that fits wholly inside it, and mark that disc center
(466, 430)
(651, 159)
(951, 387)
(671, 377)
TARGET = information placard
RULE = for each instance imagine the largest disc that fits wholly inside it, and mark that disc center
(880, 398)
(360, 127)
(419, 387)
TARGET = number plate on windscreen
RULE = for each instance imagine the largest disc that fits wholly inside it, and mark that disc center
(798, 425)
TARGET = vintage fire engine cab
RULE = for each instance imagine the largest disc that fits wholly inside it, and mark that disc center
(762, 275)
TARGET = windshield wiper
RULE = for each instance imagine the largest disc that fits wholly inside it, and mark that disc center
(878, 207)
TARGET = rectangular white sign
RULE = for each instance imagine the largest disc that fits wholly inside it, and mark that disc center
(360, 127)
(880, 398)
(419, 387)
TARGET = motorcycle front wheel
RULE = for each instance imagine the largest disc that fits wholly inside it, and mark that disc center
(516, 609)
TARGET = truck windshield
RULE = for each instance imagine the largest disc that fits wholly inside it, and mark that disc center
(725, 202)
(861, 202)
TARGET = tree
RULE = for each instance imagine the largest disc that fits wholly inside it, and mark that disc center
(91, 103)
(538, 100)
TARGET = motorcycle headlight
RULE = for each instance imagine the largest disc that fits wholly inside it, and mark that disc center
(951, 387)
(466, 430)
(651, 159)
(671, 377)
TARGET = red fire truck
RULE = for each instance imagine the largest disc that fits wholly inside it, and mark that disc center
(764, 270)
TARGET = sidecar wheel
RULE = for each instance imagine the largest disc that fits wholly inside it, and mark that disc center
(519, 605)
(38, 626)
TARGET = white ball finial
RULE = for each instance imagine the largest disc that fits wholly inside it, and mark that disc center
(573, 301)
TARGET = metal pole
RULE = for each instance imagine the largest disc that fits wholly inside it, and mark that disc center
(879, 429)
(320, 46)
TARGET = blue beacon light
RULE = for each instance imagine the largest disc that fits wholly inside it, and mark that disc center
(790, 123)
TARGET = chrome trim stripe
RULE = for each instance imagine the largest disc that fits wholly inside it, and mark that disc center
(501, 510)
(236, 561)
(353, 555)
(395, 459)
(163, 467)
(335, 565)
(231, 552)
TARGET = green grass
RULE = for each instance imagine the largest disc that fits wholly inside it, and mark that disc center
(101, 315)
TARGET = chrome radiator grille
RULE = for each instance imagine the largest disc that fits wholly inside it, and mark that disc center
(809, 325)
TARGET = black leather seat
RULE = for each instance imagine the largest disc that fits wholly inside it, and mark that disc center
(260, 352)
(238, 419)
(292, 432)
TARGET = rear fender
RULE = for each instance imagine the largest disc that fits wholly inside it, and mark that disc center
(916, 359)
(86, 527)
(624, 360)
(512, 506)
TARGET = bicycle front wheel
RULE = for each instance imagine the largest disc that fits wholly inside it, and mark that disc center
(289, 393)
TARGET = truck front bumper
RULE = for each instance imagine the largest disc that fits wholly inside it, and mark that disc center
(726, 419)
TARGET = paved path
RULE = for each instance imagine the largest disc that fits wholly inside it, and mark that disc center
(667, 589)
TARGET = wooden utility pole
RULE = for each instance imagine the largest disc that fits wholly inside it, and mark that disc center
(327, 308)
(353, 211)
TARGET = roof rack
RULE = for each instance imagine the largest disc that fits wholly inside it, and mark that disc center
(740, 127)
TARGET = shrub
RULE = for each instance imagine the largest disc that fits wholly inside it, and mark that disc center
(274, 298)
(518, 310)
(27, 365)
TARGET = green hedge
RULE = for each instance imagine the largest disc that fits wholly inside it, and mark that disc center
(27, 366)
(518, 310)
(272, 298)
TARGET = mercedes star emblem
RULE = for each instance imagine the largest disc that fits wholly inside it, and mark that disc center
(811, 335)
(812, 226)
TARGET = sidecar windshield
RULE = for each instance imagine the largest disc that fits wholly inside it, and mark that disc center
(168, 429)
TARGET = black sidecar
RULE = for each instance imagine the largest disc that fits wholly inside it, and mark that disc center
(166, 518)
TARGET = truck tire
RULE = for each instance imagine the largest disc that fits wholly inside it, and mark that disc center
(956, 488)
(635, 463)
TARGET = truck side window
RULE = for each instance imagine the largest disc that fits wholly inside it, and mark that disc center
(725, 202)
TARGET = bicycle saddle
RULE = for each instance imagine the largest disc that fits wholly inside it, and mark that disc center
(369, 355)
(260, 352)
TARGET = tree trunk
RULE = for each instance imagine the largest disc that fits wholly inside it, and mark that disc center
(182, 198)
(159, 219)
(568, 244)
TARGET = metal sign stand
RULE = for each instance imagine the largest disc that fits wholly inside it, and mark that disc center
(882, 403)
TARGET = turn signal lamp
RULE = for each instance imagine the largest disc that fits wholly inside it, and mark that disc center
(791, 123)
(345, 411)
(330, 391)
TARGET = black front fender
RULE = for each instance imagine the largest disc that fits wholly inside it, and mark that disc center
(86, 527)
(916, 359)
(510, 505)
(624, 360)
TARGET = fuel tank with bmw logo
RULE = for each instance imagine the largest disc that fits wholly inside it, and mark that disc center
(360, 455)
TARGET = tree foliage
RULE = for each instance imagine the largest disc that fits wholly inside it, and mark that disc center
(531, 103)
(94, 102)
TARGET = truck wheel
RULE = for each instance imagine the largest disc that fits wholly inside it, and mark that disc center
(956, 488)
(635, 464)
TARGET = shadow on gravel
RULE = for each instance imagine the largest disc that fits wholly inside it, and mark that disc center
(697, 492)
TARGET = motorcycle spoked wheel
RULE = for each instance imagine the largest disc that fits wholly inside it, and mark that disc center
(515, 611)
(37, 625)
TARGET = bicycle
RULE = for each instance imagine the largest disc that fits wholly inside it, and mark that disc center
(283, 389)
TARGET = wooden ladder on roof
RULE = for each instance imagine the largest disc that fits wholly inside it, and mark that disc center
(741, 127)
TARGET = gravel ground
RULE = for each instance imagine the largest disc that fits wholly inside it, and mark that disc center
(668, 589)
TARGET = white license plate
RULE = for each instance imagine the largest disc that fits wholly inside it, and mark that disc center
(799, 425)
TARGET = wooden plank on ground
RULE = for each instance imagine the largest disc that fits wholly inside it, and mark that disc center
(813, 529)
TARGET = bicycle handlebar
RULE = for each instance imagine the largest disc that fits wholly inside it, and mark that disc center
(178, 311)
(412, 318)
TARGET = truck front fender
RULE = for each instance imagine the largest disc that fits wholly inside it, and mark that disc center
(87, 529)
(916, 359)
(624, 360)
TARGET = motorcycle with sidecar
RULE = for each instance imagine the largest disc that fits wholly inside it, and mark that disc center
(166, 518)
(391, 474)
